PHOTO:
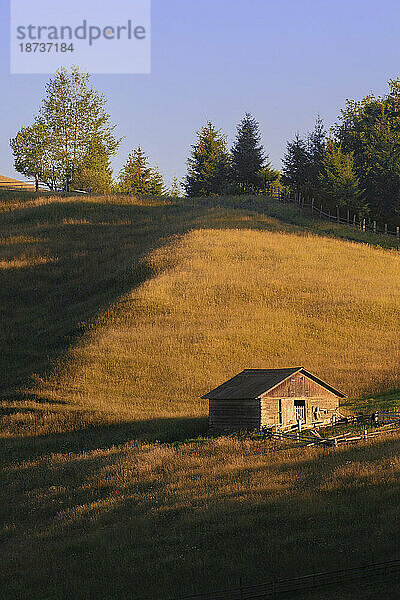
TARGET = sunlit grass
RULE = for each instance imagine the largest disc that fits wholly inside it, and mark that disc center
(150, 304)
(220, 301)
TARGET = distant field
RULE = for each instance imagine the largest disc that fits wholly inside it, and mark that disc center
(7, 183)
(119, 314)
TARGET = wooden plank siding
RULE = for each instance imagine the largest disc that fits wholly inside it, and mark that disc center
(297, 387)
(235, 415)
(291, 394)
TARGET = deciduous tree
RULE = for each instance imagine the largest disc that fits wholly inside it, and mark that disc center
(72, 121)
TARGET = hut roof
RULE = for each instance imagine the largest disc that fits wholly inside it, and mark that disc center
(251, 383)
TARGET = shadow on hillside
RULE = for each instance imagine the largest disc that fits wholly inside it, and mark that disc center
(95, 251)
(102, 436)
(160, 533)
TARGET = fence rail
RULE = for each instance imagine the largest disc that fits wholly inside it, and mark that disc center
(351, 220)
(305, 583)
(310, 437)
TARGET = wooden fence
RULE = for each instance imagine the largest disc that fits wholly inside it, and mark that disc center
(353, 220)
(311, 437)
(285, 588)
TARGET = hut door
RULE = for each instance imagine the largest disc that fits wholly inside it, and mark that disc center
(300, 410)
(286, 411)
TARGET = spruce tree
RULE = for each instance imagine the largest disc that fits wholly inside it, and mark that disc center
(316, 154)
(268, 177)
(208, 165)
(138, 177)
(296, 166)
(175, 191)
(94, 175)
(156, 183)
(248, 156)
(339, 182)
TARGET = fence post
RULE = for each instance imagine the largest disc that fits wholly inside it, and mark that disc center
(312, 205)
(374, 226)
(386, 228)
(348, 215)
(354, 220)
(398, 232)
(338, 214)
(320, 212)
(364, 224)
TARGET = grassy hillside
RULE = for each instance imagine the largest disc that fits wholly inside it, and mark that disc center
(118, 314)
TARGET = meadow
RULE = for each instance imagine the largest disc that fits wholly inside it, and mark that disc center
(118, 314)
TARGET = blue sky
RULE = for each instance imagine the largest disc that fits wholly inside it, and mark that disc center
(283, 61)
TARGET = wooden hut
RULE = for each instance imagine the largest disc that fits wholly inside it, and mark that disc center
(258, 398)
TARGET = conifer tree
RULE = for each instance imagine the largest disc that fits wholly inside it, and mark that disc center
(138, 177)
(156, 183)
(175, 191)
(296, 166)
(339, 182)
(248, 156)
(268, 177)
(316, 155)
(208, 165)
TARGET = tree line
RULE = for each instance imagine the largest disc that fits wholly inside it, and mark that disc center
(355, 165)
(70, 144)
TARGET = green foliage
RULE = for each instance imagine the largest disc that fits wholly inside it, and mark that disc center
(138, 177)
(208, 165)
(175, 191)
(94, 175)
(268, 176)
(32, 149)
(249, 166)
(316, 156)
(296, 166)
(72, 126)
(370, 128)
(156, 183)
(339, 184)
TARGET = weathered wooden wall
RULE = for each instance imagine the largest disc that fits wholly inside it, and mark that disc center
(298, 387)
(235, 415)
(274, 407)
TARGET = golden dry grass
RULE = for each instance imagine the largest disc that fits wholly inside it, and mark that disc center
(159, 521)
(220, 301)
(148, 305)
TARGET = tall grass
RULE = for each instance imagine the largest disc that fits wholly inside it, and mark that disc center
(223, 300)
(118, 315)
